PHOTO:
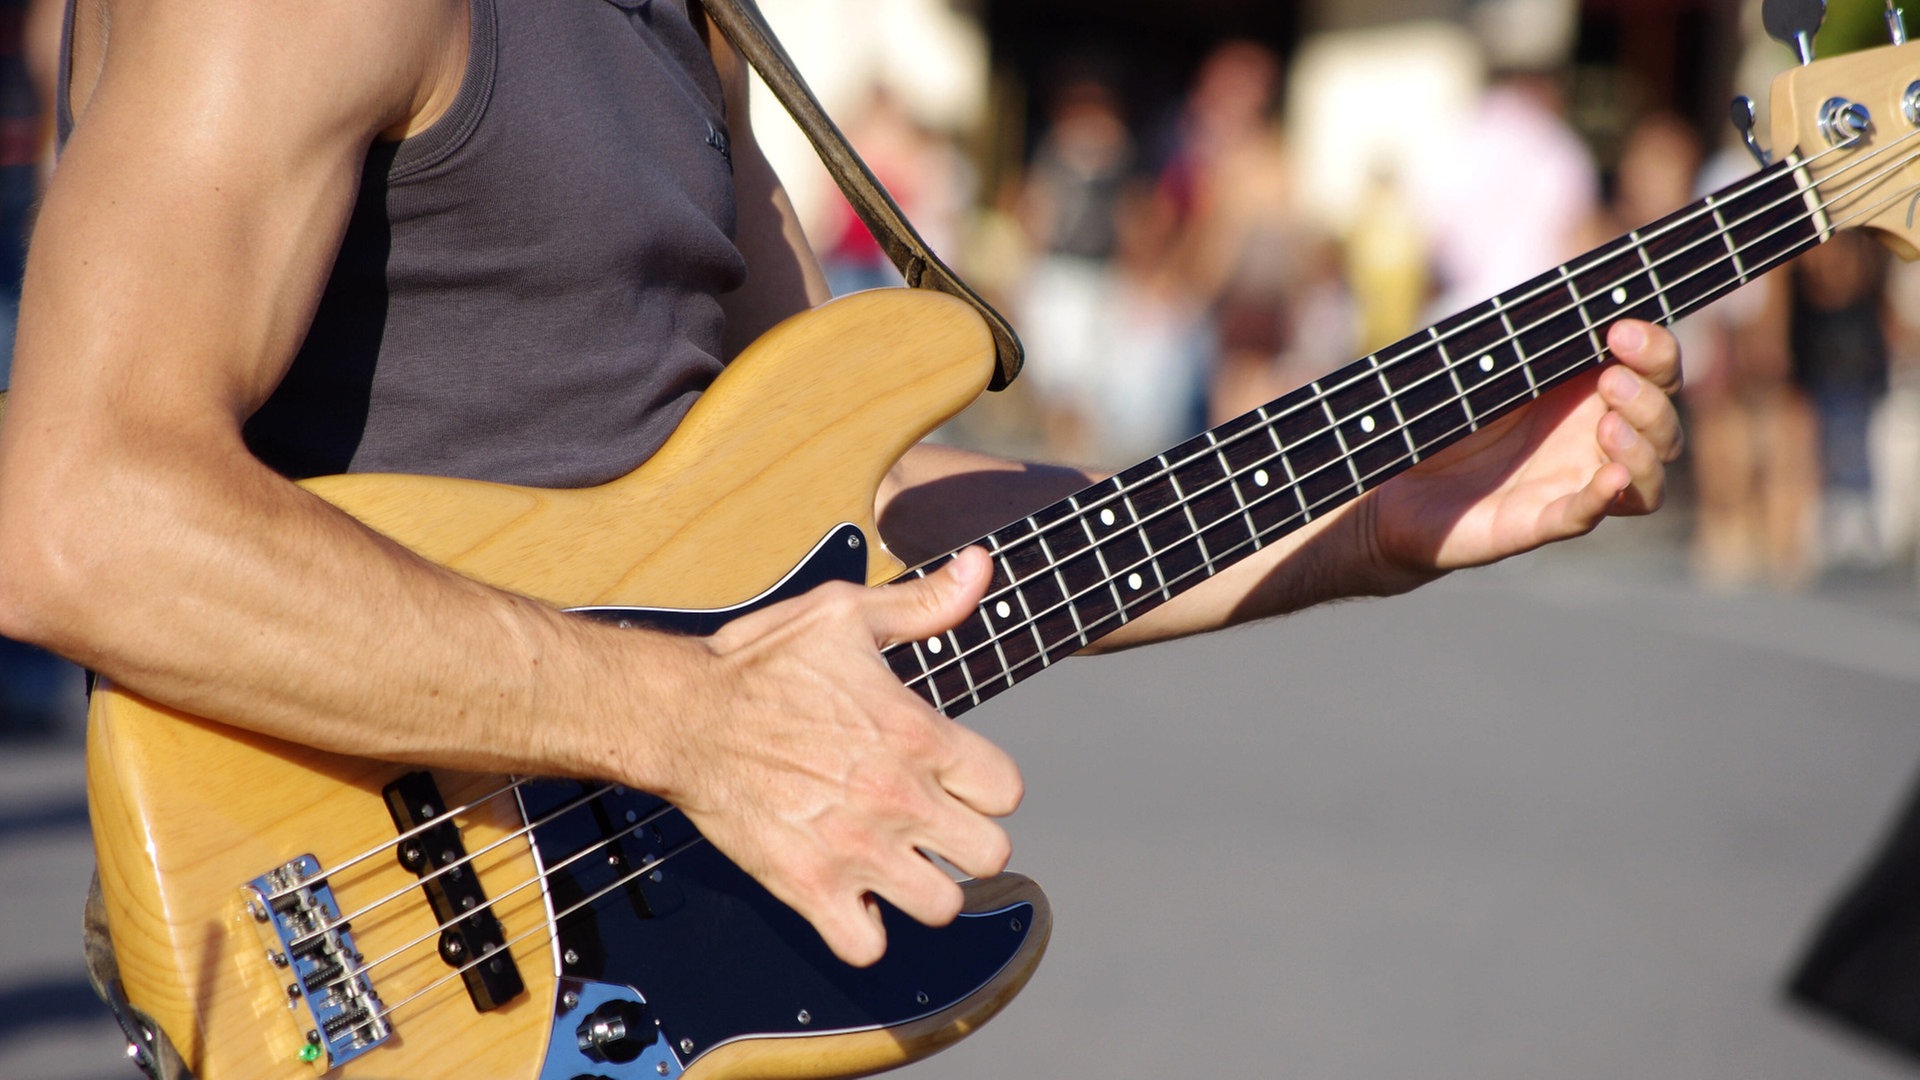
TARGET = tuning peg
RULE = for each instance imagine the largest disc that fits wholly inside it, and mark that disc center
(1794, 22)
(1896, 24)
(1744, 117)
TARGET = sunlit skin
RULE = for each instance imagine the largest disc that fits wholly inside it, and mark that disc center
(178, 258)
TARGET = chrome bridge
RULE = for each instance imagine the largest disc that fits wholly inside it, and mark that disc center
(300, 920)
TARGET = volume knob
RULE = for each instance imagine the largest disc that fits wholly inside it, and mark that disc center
(616, 1032)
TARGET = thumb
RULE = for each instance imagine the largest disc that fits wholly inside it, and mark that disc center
(921, 608)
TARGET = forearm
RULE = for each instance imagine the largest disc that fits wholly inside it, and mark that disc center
(201, 580)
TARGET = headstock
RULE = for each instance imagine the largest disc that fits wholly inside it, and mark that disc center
(1853, 124)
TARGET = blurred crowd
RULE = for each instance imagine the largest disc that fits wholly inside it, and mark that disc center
(1166, 273)
(1165, 276)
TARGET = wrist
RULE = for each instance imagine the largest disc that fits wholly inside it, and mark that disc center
(1376, 571)
(616, 701)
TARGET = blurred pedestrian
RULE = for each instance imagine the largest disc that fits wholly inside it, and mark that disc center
(1893, 436)
(1070, 205)
(1751, 432)
(1386, 260)
(1521, 201)
(1840, 359)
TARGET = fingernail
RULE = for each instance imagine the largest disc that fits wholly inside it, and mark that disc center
(1626, 386)
(1631, 336)
(965, 570)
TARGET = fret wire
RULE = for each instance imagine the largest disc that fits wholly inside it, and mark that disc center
(1580, 309)
(1513, 337)
(1099, 556)
(1226, 470)
(1653, 275)
(1267, 423)
(1339, 437)
(927, 679)
(1446, 363)
(1339, 498)
(1066, 590)
(1183, 501)
(960, 655)
(993, 634)
(1028, 618)
(1393, 402)
(1133, 515)
(1726, 237)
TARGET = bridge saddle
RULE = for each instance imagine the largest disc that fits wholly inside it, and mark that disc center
(300, 921)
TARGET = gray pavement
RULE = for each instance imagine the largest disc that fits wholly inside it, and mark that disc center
(1567, 818)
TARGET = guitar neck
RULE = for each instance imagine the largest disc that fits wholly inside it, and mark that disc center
(1075, 571)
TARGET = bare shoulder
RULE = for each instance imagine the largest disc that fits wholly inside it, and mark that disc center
(388, 67)
(215, 160)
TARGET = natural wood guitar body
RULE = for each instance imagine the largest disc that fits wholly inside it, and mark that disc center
(792, 440)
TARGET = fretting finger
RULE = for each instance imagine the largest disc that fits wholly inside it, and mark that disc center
(910, 610)
(1641, 405)
(1650, 350)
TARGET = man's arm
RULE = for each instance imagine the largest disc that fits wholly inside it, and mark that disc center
(179, 256)
(1595, 447)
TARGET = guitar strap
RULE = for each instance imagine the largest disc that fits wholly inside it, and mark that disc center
(745, 27)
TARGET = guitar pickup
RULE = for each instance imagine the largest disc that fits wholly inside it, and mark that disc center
(474, 942)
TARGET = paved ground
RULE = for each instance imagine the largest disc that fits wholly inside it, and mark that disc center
(1567, 819)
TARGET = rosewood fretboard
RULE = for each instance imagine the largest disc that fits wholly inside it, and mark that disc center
(1076, 570)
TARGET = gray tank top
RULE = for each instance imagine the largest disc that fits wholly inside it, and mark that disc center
(528, 290)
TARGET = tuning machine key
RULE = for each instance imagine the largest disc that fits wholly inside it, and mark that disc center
(1843, 122)
(1745, 116)
(1896, 24)
(1794, 22)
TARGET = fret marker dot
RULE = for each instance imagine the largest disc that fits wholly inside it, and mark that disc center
(1106, 517)
(1367, 425)
(1620, 295)
(1133, 581)
(1260, 478)
(933, 645)
(1003, 609)
(1486, 363)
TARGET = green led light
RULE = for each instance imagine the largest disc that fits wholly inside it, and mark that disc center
(310, 1053)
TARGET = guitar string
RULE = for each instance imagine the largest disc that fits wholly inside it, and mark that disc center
(1121, 613)
(1027, 623)
(550, 929)
(1256, 537)
(410, 834)
(665, 809)
(1323, 394)
(427, 879)
(347, 976)
(1748, 185)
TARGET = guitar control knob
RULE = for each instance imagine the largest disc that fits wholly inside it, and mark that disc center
(616, 1032)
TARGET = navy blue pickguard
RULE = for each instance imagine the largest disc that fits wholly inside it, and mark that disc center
(711, 955)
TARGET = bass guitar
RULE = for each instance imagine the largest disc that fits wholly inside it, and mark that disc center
(291, 913)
